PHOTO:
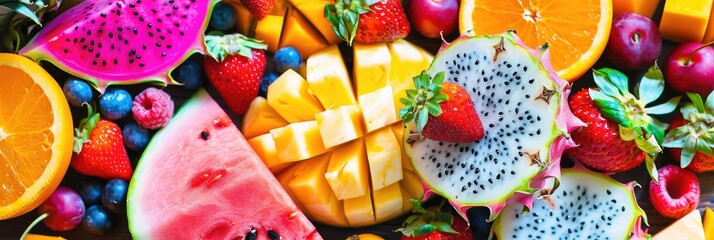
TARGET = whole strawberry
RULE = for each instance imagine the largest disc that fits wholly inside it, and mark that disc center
(99, 149)
(442, 111)
(620, 133)
(235, 68)
(434, 224)
(376, 20)
(259, 8)
(690, 134)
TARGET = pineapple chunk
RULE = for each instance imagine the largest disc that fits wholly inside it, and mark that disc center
(260, 118)
(289, 96)
(378, 108)
(405, 54)
(314, 11)
(328, 79)
(372, 64)
(388, 202)
(264, 146)
(300, 34)
(298, 141)
(310, 186)
(338, 126)
(359, 211)
(348, 173)
(268, 29)
(398, 130)
(385, 158)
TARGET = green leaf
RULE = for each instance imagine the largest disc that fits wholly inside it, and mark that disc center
(651, 167)
(709, 105)
(434, 108)
(24, 10)
(618, 79)
(703, 147)
(602, 81)
(688, 151)
(411, 93)
(424, 229)
(422, 118)
(440, 97)
(689, 111)
(438, 78)
(648, 145)
(445, 227)
(676, 138)
(657, 132)
(651, 85)
(629, 134)
(611, 108)
(664, 108)
(697, 101)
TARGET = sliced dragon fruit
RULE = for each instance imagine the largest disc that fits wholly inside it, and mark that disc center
(123, 41)
(522, 105)
(587, 204)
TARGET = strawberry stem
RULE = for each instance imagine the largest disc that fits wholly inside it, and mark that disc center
(33, 224)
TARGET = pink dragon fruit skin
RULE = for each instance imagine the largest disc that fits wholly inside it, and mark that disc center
(523, 191)
(110, 42)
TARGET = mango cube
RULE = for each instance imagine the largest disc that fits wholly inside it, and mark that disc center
(340, 125)
(264, 146)
(385, 158)
(642, 7)
(314, 11)
(398, 130)
(411, 185)
(260, 118)
(405, 54)
(310, 186)
(328, 78)
(348, 173)
(371, 68)
(685, 20)
(378, 108)
(244, 19)
(268, 29)
(709, 34)
(359, 211)
(290, 97)
(300, 34)
(298, 141)
(388, 202)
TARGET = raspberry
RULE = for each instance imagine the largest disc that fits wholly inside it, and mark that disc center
(152, 108)
(676, 193)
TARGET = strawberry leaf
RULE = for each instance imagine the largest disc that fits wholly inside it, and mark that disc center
(648, 145)
(629, 134)
(697, 101)
(651, 85)
(220, 46)
(421, 120)
(664, 108)
(709, 104)
(657, 132)
(618, 79)
(611, 108)
(602, 81)
(445, 227)
(423, 101)
(424, 230)
(688, 152)
(676, 138)
(343, 16)
(651, 167)
(703, 147)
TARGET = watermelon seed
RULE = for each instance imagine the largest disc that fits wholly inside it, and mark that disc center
(252, 235)
(204, 135)
(272, 235)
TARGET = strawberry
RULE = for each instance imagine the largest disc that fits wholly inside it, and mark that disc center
(368, 21)
(690, 134)
(433, 224)
(235, 68)
(620, 134)
(259, 8)
(676, 193)
(99, 149)
(442, 111)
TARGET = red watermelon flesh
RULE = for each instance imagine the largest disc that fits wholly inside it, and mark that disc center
(199, 179)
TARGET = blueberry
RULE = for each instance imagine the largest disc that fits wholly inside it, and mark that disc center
(287, 58)
(190, 73)
(91, 190)
(115, 103)
(97, 220)
(268, 78)
(114, 196)
(77, 92)
(135, 136)
(223, 17)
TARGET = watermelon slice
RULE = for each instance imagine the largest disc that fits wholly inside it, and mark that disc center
(199, 179)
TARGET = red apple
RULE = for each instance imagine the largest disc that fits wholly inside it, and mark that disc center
(635, 42)
(431, 17)
(690, 68)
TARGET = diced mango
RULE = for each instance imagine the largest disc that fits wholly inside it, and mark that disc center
(264, 146)
(260, 118)
(412, 186)
(398, 130)
(642, 7)
(708, 223)
(378, 108)
(244, 20)
(268, 30)
(284, 179)
(328, 78)
(280, 7)
(685, 20)
(388, 202)
(289, 96)
(385, 158)
(371, 68)
(405, 54)
(709, 34)
(359, 211)
(298, 141)
(687, 227)
(301, 35)
(341, 125)
(310, 186)
(348, 173)
(314, 11)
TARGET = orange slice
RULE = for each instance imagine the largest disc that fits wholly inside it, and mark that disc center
(35, 135)
(576, 31)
